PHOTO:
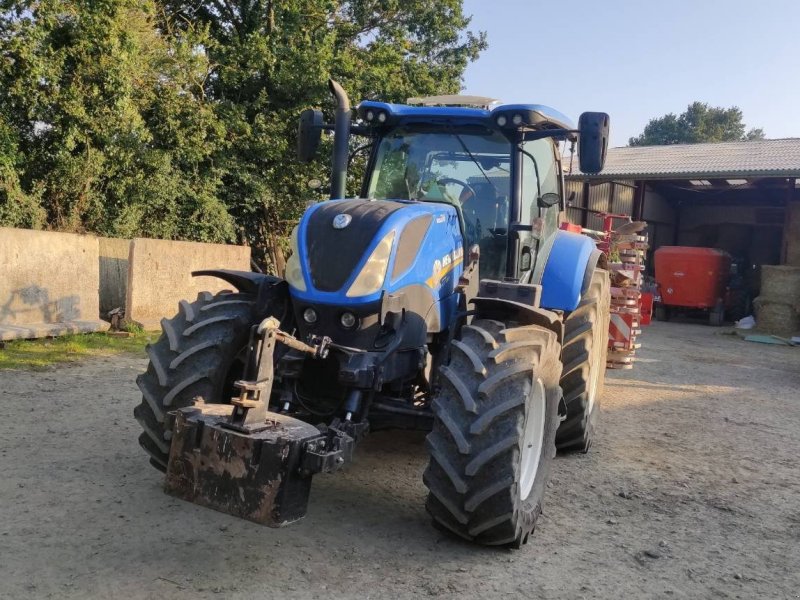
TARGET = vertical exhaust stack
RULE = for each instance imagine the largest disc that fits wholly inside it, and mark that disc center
(341, 146)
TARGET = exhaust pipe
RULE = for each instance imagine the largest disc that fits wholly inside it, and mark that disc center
(341, 138)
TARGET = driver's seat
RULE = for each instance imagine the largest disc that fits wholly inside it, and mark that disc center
(483, 211)
(486, 224)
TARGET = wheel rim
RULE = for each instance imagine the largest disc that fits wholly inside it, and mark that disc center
(532, 439)
(594, 365)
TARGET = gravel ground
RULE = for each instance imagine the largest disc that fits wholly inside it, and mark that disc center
(691, 490)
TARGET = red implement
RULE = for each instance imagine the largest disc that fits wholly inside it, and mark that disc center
(692, 277)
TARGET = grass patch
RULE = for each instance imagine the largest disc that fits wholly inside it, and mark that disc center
(39, 354)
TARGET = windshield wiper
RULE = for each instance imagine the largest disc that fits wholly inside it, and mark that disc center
(475, 160)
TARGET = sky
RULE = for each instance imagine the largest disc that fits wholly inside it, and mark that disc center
(637, 60)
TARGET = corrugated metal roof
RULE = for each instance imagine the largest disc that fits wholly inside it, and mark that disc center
(761, 158)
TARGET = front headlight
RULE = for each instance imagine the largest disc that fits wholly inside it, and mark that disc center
(371, 277)
(294, 272)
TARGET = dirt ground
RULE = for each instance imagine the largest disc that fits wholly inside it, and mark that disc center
(691, 491)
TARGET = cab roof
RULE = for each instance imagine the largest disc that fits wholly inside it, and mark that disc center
(537, 116)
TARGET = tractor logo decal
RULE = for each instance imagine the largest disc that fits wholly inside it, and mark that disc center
(341, 221)
(441, 268)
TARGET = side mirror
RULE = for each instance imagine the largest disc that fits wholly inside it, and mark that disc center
(549, 199)
(525, 259)
(593, 141)
(309, 134)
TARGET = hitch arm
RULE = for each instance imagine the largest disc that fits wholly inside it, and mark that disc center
(251, 406)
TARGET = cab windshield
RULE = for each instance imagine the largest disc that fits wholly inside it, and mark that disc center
(468, 169)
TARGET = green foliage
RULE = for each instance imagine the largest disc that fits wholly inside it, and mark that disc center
(699, 123)
(273, 59)
(106, 125)
(176, 118)
(133, 327)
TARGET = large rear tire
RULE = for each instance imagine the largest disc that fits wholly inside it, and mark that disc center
(199, 353)
(584, 356)
(492, 443)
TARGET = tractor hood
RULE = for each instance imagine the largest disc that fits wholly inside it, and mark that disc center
(352, 251)
(370, 257)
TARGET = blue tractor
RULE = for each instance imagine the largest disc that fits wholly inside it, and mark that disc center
(444, 298)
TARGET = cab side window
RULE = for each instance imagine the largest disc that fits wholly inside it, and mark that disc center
(539, 176)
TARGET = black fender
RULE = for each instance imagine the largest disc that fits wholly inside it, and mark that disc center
(524, 314)
(271, 292)
(591, 265)
(246, 282)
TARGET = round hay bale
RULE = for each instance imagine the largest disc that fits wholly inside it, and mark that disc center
(779, 318)
(780, 283)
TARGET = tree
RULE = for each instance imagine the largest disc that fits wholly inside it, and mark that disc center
(104, 126)
(177, 118)
(699, 123)
(273, 59)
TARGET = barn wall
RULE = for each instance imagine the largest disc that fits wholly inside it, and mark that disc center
(603, 198)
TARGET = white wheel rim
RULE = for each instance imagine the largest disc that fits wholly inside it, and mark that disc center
(594, 370)
(600, 337)
(532, 439)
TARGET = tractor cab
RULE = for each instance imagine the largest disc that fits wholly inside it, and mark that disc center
(497, 164)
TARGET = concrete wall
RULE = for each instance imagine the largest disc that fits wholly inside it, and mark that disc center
(159, 275)
(114, 254)
(48, 284)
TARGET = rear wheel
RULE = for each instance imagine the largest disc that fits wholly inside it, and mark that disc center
(584, 357)
(492, 443)
(199, 353)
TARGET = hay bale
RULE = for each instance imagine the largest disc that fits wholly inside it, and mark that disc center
(779, 318)
(780, 283)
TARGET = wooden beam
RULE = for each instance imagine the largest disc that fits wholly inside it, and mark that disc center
(585, 204)
(638, 201)
(787, 216)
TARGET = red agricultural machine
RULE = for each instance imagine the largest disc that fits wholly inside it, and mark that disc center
(692, 279)
(624, 242)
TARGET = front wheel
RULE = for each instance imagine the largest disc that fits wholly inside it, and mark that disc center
(495, 420)
(199, 353)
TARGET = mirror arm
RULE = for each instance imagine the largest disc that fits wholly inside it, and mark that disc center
(559, 134)
(357, 150)
(355, 129)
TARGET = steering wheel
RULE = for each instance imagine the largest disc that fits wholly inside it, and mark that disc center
(464, 185)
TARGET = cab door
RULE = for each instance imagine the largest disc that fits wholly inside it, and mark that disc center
(540, 203)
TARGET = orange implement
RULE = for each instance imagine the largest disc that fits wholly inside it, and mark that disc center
(691, 277)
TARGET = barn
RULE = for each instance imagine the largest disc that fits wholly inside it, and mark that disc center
(741, 197)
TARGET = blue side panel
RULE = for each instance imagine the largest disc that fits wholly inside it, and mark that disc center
(563, 275)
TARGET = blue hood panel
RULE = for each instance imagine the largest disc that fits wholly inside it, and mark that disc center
(433, 264)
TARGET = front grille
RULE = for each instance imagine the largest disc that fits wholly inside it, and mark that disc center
(333, 254)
